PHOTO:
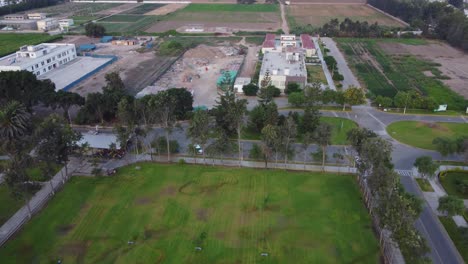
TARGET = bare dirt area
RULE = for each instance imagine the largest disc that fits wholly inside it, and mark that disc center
(198, 71)
(251, 59)
(136, 69)
(212, 26)
(453, 62)
(319, 14)
(164, 10)
(118, 9)
(328, 2)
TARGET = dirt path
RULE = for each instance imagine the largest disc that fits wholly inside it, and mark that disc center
(250, 59)
(284, 22)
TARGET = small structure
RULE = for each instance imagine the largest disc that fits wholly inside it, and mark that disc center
(106, 39)
(240, 83)
(39, 59)
(222, 79)
(86, 47)
(288, 41)
(25, 24)
(65, 24)
(99, 140)
(47, 24)
(125, 42)
(37, 16)
(308, 45)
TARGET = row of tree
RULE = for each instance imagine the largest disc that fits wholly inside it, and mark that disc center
(436, 19)
(350, 28)
(14, 6)
(395, 209)
(349, 97)
(410, 99)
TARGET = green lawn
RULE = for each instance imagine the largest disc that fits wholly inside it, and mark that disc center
(421, 135)
(11, 42)
(233, 214)
(449, 182)
(424, 185)
(230, 8)
(8, 205)
(385, 74)
(454, 232)
(315, 73)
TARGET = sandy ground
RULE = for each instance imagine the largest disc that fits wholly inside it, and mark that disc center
(319, 14)
(164, 10)
(251, 59)
(454, 62)
(198, 70)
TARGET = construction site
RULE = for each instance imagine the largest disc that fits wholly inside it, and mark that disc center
(199, 70)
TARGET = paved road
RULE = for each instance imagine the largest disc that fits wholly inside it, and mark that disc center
(343, 68)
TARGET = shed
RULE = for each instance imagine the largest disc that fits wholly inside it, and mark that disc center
(107, 39)
(221, 80)
(87, 47)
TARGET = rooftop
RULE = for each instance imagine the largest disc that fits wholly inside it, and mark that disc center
(15, 60)
(307, 42)
(277, 64)
(242, 81)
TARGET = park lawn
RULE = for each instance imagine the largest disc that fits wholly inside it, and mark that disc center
(424, 185)
(315, 73)
(421, 134)
(384, 74)
(340, 126)
(231, 8)
(456, 236)
(233, 214)
(8, 205)
(11, 42)
(449, 181)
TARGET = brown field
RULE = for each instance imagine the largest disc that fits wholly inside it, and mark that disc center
(213, 26)
(118, 9)
(319, 14)
(164, 10)
(328, 2)
(453, 62)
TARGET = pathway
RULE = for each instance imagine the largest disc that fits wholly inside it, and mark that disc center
(284, 21)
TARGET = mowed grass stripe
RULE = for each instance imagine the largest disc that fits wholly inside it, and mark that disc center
(231, 8)
(307, 218)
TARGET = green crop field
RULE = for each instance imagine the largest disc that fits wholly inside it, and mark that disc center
(450, 180)
(231, 8)
(142, 9)
(122, 18)
(11, 42)
(128, 27)
(421, 134)
(233, 214)
(385, 74)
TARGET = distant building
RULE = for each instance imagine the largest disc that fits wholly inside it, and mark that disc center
(39, 59)
(23, 24)
(37, 16)
(284, 67)
(269, 44)
(240, 83)
(65, 23)
(125, 42)
(47, 24)
(15, 17)
(5, 2)
(106, 39)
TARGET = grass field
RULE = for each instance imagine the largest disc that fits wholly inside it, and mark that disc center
(8, 205)
(76, 9)
(456, 236)
(11, 42)
(384, 74)
(424, 185)
(421, 134)
(315, 73)
(449, 180)
(230, 8)
(132, 25)
(319, 14)
(142, 9)
(233, 214)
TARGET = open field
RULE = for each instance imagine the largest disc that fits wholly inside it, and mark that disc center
(451, 62)
(315, 73)
(75, 9)
(421, 134)
(457, 237)
(319, 14)
(384, 73)
(232, 17)
(232, 214)
(127, 24)
(449, 181)
(11, 42)
(144, 8)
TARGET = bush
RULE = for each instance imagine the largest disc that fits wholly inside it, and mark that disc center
(170, 48)
(296, 99)
(462, 186)
(182, 162)
(337, 76)
(94, 30)
(255, 152)
(331, 62)
(161, 146)
(274, 91)
(250, 89)
(292, 88)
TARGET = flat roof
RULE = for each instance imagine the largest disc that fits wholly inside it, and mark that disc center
(11, 60)
(242, 81)
(276, 61)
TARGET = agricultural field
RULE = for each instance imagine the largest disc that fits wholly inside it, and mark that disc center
(75, 9)
(143, 9)
(11, 42)
(421, 134)
(128, 24)
(319, 14)
(235, 17)
(232, 214)
(384, 73)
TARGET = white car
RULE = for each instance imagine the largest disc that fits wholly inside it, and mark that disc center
(199, 149)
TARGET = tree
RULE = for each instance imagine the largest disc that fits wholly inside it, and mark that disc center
(183, 102)
(323, 137)
(250, 89)
(451, 205)
(165, 106)
(328, 96)
(296, 99)
(236, 116)
(426, 167)
(199, 130)
(288, 134)
(310, 120)
(270, 134)
(383, 101)
(292, 87)
(94, 30)
(65, 100)
(227, 81)
(307, 139)
(456, 3)
(407, 99)
(445, 146)
(14, 121)
(354, 96)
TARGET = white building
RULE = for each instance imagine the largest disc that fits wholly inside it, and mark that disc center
(240, 83)
(47, 24)
(5, 2)
(37, 16)
(288, 41)
(39, 59)
(65, 23)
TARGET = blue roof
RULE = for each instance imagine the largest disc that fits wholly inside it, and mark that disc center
(106, 39)
(87, 47)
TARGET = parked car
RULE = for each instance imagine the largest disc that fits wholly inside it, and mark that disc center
(199, 149)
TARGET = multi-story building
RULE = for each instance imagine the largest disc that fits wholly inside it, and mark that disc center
(37, 16)
(39, 59)
(65, 23)
(47, 24)
(288, 41)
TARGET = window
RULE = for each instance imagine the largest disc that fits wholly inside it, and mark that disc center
(42, 63)
(50, 67)
(48, 60)
(37, 66)
(38, 73)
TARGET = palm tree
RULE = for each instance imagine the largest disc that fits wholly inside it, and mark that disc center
(14, 120)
